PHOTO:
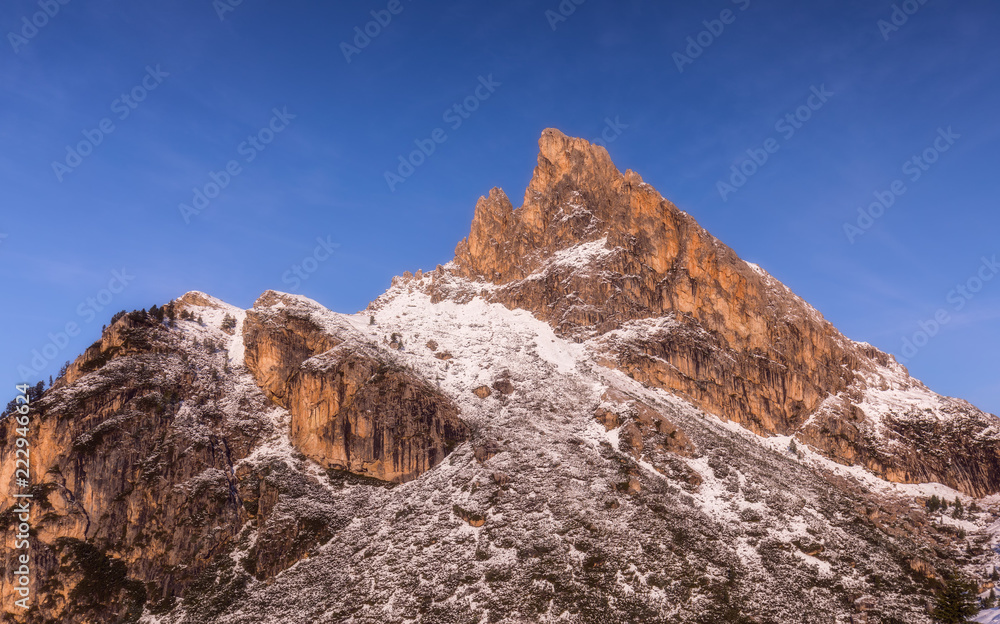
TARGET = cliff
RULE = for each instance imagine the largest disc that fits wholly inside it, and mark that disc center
(603, 257)
(161, 447)
(352, 407)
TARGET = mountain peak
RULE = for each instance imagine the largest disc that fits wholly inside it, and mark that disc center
(571, 159)
(576, 195)
(603, 257)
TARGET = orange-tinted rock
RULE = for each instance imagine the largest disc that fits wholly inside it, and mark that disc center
(277, 344)
(743, 348)
(473, 518)
(355, 413)
(122, 481)
(352, 409)
(601, 255)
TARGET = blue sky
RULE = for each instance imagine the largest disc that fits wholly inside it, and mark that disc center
(208, 84)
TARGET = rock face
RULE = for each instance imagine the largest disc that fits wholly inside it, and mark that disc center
(277, 344)
(143, 448)
(353, 412)
(647, 435)
(132, 455)
(352, 408)
(741, 347)
(601, 255)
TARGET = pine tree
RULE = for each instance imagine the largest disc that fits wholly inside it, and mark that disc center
(956, 603)
(228, 322)
(959, 512)
(792, 448)
(933, 504)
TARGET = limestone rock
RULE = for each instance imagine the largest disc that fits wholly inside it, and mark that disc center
(473, 518)
(352, 408)
(603, 257)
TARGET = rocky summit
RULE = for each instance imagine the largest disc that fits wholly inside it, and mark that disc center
(596, 413)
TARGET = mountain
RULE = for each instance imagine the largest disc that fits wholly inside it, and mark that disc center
(601, 255)
(596, 413)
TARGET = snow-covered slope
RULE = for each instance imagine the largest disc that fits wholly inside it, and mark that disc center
(545, 516)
